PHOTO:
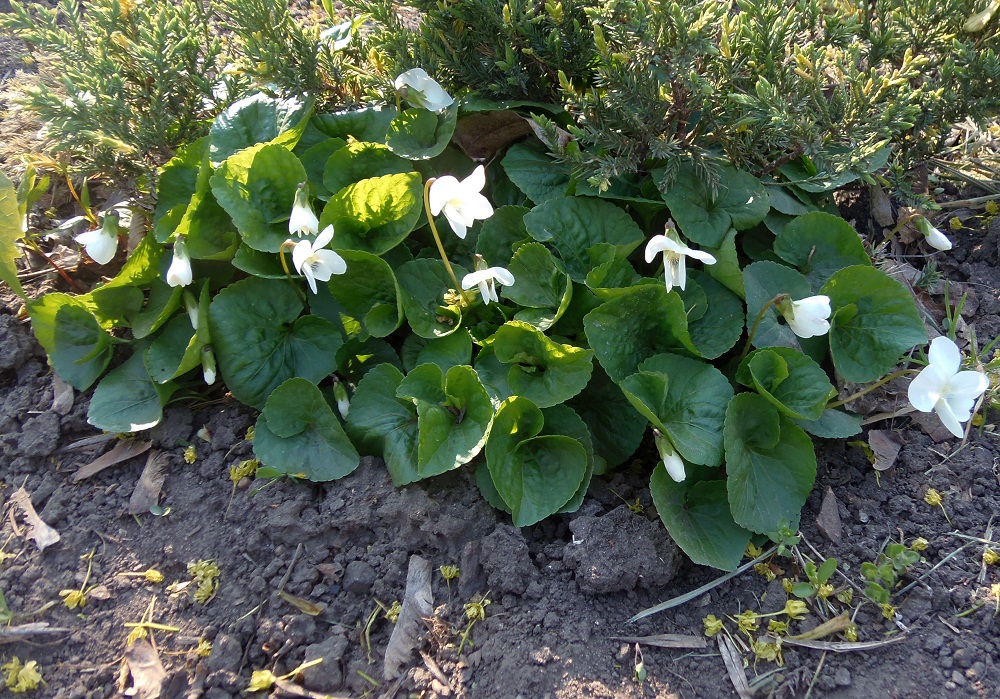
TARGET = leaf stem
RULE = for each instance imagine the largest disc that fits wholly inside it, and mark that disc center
(881, 382)
(437, 240)
(756, 324)
(62, 273)
(288, 273)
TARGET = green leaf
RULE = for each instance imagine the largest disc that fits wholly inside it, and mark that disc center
(608, 279)
(175, 186)
(484, 481)
(10, 233)
(113, 306)
(82, 349)
(793, 382)
(298, 435)
(258, 119)
(535, 475)
(174, 352)
(644, 321)
(819, 244)
(720, 325)
(501, 234)
(832, 424)
(376, 214)
(538, 368)
(266, 265)
(127, 400)
(260, 341)
(453, 416)
(142, 266)
(370, 124)
(561, 420)
(361, 161)
(369, 292)
(419, 134)
(770, 462)
(446, 352)
(685, 399)
(763, 281)
(539, 286)
(741, 202)
(874, 322)
(314, 160)
(535, 173)
(257, 187)
(697, 517)
(163, 302)
(383, 424)
(573, 225)
(616, 427)
(357, 357)
(422, 284)
(727, 268)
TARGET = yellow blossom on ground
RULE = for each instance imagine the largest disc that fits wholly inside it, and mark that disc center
(933, 497)
(888, 611)
(955, 224)
(261, 681)
(764, 570)
(778, 628)
(753, 551)
(992, 209)
(392, 613)
(747, 621)
(787, 584)
(21, 678)
(712, 624)
(796, 609)
(768, 651)
(991, 557)
(851, 634)
(154, 576)
(190, 455)
(73, 598)
(919, 544)
(204, 648)
(824, 590)
(846, 596)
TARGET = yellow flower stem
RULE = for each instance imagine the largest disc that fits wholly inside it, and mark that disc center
(756, 324)
(437, 240)
(869, 389)
(288, 273)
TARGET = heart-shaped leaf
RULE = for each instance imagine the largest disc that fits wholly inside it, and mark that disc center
(419, 134)
(258, 119)
(127, 400)
(375, 214)
(796, 384)
(819, 244)
(369, 292)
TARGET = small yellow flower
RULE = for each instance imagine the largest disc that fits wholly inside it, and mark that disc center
(787, 584)
(261, 681)
(888, 611)
(206, 577)
(992, 209)
(933, 497)
(796, 609)
(770, 652)
(919, 544)
(450, 573)
(851, 634)
(991, 557)
(846, 596)
(135, 634)
(778, 628)
(204, 648)
(476, 611)
(955, 223)
(712, 625)
(250, 433)
(73, 598)
(154, 576)
(764, 570)
(22, 678)
(244, 469)
(824, 591)
(753, 551)
(392, 613)
(747, 621)
(190, 455)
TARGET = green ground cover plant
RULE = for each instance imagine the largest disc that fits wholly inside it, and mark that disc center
(371, 289)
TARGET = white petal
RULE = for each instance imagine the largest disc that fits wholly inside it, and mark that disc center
(681, 271)
(328, 262)
(474, 206)
(308, 274)
(805, 325)
(99, 245)
(457, 224)
(949, 419)
(502, 275)
(475, 182)
(661, 243)
(815, 306)
(484, 291)
(675, 467)
(414, 77)
(300, 253)
(473, 278)
(669, 274)
(179, 273)
(926, 389)
(324, 238)
(944, 355)
(702, 256)
(968, 383)
(302, 221)
(443, 190)
(937, 239)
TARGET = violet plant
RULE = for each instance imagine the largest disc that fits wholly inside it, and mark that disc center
(539, 337)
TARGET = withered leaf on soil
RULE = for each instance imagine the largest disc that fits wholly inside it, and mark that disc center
(828, 521)
(418, 603)
(147, 670)
(303, 605)
(122, 451)
(886, 447)
(147, 491)
(482, 135)
(666, 640)
(62, 396)
(43, 535)
(734, 665)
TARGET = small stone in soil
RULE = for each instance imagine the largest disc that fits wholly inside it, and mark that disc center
(359, 577)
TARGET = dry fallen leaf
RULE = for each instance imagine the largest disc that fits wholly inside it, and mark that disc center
(828, 522)
(666, 640)
(481, 135)
(303, 605)
(62, 396)
(418, 603)
(885, 446)
(122, 451)
(147, 491)
(147, 670)
(43, 535)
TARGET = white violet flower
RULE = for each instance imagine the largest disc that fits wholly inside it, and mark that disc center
(421, 90)
(674, 254)
(935, 238)
(672, 461)
(303, 220)
(101, 244)
(461, 202)
(809, 317)
(208, 368)
(486, 280)
(179, 272)
(313, 262)
(940, 386)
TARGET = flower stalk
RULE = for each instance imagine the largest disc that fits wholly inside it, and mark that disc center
(440, 246)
